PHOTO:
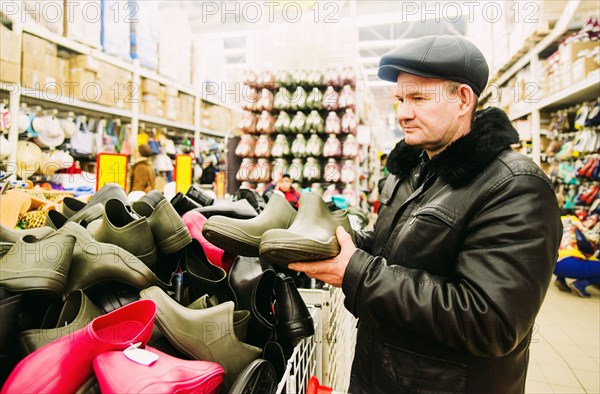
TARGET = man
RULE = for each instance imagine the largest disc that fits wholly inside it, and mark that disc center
(448, 284)
(284, 185)
(142, 171)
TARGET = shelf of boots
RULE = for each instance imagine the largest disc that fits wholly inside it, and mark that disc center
(274, 87)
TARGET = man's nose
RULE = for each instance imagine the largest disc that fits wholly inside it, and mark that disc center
(405, 112)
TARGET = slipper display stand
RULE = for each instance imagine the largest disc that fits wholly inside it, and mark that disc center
(327, 354)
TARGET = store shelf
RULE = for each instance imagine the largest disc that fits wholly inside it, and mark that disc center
(214, 133)
(153, 75)
(155, 120)
(587, 89)
(516, 64)
(131, 67)
(65, 102)
(75, 46)
(9, 87)
(61, 41)
(520, 113)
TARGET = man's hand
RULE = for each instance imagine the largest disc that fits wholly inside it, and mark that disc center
(330, 271)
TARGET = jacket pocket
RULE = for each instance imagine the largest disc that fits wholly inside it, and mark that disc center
(415, 373)
(436, 214)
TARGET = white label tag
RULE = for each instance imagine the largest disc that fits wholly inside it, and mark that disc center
(140, 356)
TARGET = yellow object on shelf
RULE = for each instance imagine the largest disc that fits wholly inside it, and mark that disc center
(183, 172)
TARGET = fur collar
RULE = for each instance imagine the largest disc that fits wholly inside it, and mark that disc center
(460, 162)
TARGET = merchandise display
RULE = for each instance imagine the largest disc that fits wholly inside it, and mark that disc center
(174, 176)
(312, 114)
(185, 280)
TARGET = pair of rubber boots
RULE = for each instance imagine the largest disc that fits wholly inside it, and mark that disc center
(280, 234)
(66, 364)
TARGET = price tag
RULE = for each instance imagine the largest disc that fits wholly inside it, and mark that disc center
(140, 356)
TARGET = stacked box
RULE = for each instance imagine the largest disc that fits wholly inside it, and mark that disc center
(82, 21)
(584, 66)
(151, 102)
(144, 34)
(115, 84)
(568, 56)
(220, 118)
(48, 13)
(175, 46)
(170, 103)
(117, 17)
(185, 109)
(82, 78)
(38, 63)
(99, 82)
(10, 56)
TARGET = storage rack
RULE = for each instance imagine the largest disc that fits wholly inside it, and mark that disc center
(586, 89)
(18, 93)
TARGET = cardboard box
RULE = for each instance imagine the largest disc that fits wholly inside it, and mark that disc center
(81, 76)
(566, 78)
(170, 108)
(9, 72)
(38, 61)
(50, 49)
(62, 70)
(10, 48)
(584, 66)
(52, 70)
(85, 62)
(569, 53)
(37, 54)
(33, 44)
(82, 83)
(33, 79)
(82, 21)
(150, 86)
(153, 108)
(162, 95)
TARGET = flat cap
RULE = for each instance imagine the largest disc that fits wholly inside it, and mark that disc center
(445, 57)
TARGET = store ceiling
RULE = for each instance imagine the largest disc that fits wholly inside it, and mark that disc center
(361, 31)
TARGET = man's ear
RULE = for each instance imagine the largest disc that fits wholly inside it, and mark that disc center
(466, 98)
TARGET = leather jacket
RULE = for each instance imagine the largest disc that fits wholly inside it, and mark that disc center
(448, 283)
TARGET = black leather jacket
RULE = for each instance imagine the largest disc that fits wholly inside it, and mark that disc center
(448, 284)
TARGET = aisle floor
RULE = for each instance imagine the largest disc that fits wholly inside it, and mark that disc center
(565, 348)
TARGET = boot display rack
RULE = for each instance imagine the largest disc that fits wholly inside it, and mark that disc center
(327, 163)
(325, 355)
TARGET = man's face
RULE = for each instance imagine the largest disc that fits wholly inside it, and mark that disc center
(427, 112)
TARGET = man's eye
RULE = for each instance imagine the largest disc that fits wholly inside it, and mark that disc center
(418, 98)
